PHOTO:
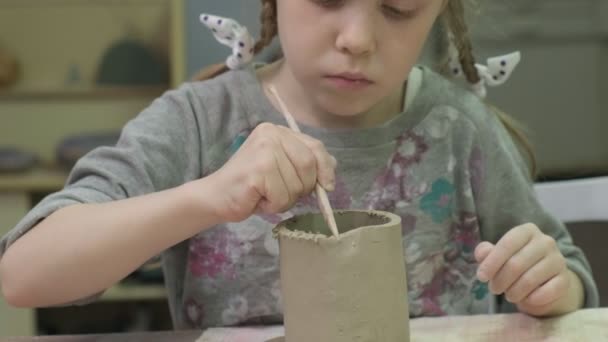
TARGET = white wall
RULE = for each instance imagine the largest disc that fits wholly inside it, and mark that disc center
(560, 90)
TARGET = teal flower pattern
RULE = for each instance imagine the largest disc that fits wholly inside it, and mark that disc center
(439, 202)
(238, 141)
(480, 290)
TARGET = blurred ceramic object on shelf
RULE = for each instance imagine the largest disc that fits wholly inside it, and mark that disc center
(75, 147)
(14, 160)
(9, 69)
(130, 62)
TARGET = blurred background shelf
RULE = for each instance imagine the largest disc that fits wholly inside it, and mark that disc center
(82, 69)
(39, 179)
(81, 93)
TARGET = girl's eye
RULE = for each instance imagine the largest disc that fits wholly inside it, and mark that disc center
(397, 14)
(329, 3)
(390, 11)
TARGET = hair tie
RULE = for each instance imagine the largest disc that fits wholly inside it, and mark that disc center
(230, 33)
(497, 72)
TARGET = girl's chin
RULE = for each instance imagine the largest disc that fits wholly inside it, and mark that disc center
(345, 110)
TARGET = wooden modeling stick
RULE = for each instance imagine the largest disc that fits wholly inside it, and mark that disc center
(322, 198)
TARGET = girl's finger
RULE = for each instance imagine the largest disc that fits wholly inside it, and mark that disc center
(510, 244)
(549, 292)
(535, 277)
(483, 250)
(326, 163)
(303, 161)
(274, 188)
(516, 266)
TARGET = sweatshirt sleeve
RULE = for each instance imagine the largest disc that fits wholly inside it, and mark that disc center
(505, 196)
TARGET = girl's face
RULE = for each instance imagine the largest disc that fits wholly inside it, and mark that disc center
(349, 55)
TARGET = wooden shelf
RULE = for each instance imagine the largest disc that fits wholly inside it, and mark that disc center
(35, 180)
(131, 292)
(82, 93)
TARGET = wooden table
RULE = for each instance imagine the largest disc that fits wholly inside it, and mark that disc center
(584, 325)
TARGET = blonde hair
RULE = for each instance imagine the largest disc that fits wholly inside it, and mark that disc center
(454, 21)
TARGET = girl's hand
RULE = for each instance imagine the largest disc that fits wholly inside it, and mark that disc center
(270, 171)
(529, 269)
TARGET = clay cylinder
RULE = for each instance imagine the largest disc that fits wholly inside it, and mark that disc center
(351, 288)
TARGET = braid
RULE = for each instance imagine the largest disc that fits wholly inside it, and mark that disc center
(454, 19)
(456, 29)
(269, 30)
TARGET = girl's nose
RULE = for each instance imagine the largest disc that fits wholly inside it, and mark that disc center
(356, 35)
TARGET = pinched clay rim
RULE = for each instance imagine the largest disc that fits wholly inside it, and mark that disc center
(281, 229)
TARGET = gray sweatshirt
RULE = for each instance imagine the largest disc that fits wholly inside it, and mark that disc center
(445, 165)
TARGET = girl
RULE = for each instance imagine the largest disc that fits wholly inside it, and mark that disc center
(206, 171)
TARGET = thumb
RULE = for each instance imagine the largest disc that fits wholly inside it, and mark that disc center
(483, 250)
